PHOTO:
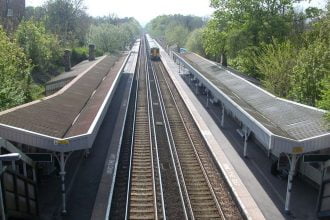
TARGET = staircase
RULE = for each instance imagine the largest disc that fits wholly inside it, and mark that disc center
(18, 184)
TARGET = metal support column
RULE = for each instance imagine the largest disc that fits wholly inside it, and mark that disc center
(3, 214)
(207, 99)
(62, 174)
(247, 133)
(269, 146)
(293, 163)
(245, 145)
(223, 115)
(62, 159)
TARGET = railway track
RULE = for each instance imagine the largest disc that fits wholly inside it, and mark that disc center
(200, 195)
(205, 184)
(165, 169)
(119, 199)
(142, 202)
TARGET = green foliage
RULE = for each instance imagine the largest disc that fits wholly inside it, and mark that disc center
(245, 62)
(78, 54)
(174, 29)
(324, 103)
(42, 48)
(238, 27)
(14, 74)
(68, 20)
(214, 40)
(288, 51)
(35, 13)
(176, 35)
(195, 42)
(313, 65)
(276, 62)
(110, 38)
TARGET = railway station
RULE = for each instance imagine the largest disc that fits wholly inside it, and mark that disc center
(151, 134)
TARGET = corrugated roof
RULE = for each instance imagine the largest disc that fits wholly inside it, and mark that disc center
(281, 117)
(75, 70)
(55, 115)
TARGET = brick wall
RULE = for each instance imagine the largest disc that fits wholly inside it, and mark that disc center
(15, 8)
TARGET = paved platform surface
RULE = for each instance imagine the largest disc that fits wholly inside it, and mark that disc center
(107, 182)
(255, 171)
(244, 198)
(83, 175)
(267, 190)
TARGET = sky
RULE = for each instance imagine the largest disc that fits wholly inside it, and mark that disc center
(145, 10)
(142, 10)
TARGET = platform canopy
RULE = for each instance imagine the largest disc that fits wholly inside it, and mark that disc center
(283, 125)
(69, 119)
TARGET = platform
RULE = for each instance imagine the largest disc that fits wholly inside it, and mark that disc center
(94, 176)
(69, 119)
(204, 122)
(281, 125)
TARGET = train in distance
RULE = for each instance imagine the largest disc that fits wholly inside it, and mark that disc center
(154, 50)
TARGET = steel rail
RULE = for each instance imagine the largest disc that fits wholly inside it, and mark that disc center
(140, 162)
(132, 137)
(155, 139)
(194, 148)
(174, 156)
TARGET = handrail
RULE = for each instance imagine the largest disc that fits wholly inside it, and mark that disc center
(12, 149)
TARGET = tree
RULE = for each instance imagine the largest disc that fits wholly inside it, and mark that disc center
(176, 35)
(42, 48)
(35, 13)
(14, 74)
(276, 62)
(214, 39)
(324, 103)
(195, 42)
(174, 29)
(313, 65)
(110, 38)
(242, 26)
(68, 20)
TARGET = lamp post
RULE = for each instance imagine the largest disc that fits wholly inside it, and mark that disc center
(6, 157)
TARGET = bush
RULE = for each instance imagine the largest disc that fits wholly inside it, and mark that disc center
(14, 74)
(42, 48)
(79, 54)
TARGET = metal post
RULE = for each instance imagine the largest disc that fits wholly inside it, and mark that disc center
(223, 115)
(207, 99)
(269, 147)
(24, 169)
(62, 174)
(3, 214)
(293, 163)
(323, 168)
(245, 144)
(34, 174)
(13, 165)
